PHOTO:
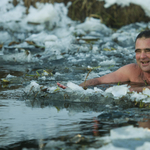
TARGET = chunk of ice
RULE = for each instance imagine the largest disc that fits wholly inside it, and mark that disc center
(129, 132)
(145, 146)
(146, 91)
(109, 147)
(10, 76)
(137, 96)
(118, 91)
(74, 86)
(33, 86)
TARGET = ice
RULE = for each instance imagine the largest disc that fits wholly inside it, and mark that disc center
(145, 146)
(129, 132)
(8, 12)
(95, 49)
(62, 13)
(108, 3)
(109, 147)
(98, 90)
(108, 63)
(74, 86)
(57, 47)
(137, 96)
(146, 91)
(13, 15)
(43, 13)
(5, 37)
(22, 56)
(118, 91)
(92, 24)
(10, 76)
(104, 72)
(47, 15)
(52, 15)
(33, 86)
(124, 39)
(42, 37)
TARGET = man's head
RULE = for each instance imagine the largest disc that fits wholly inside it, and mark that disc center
(143, 34)
(142, 50)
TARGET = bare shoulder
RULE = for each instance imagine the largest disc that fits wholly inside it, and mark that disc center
(129, 71)
(132, 71)
(131, 68)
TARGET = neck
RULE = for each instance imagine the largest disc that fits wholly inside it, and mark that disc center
(147, 75)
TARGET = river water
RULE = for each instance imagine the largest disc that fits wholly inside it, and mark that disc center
(36, 114)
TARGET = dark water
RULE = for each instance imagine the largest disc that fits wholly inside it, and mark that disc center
(49, 124)
(72, 125)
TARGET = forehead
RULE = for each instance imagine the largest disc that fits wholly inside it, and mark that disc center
(142, 43)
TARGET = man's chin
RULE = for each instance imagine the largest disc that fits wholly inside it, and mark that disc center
(146, 70)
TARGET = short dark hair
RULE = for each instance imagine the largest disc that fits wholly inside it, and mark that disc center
(143, 34)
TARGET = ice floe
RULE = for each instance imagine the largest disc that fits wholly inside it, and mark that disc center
(126, 133)
(118, 91)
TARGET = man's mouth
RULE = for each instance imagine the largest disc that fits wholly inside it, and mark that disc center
(145, 62)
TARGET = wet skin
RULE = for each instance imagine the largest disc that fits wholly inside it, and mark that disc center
(142, 50)
(137, 73)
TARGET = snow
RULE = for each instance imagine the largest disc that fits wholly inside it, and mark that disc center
(144, 4)
(41, 14)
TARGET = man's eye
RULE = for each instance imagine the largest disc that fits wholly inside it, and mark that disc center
(137, 51)
(147, 50)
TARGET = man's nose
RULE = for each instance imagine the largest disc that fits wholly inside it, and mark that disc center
(143, 54)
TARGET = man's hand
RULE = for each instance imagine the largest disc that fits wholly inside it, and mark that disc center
(62, 86)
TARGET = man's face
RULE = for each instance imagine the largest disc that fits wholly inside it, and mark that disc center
(142, 50)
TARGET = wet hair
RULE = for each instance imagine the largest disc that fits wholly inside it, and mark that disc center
(143, 34)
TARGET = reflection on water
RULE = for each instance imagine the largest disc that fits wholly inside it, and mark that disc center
(55, 124)
(145, 123)
(22, 123)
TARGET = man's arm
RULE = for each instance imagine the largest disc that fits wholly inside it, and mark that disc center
(91, 82)
(121, 75)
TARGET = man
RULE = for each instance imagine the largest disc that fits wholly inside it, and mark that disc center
(136, 73)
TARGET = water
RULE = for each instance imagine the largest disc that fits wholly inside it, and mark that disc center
(48, 124)
(42, 124)
(36, 114)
